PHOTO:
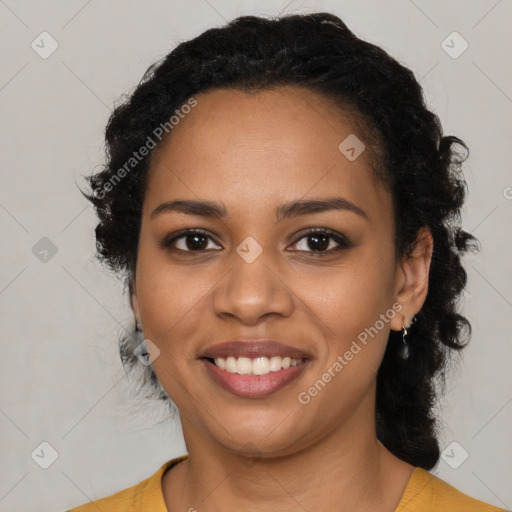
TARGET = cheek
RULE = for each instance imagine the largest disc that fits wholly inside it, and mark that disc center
(350, 295)
(171, 301)
(350, 303)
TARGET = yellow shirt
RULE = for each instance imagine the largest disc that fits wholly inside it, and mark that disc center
(424, 493)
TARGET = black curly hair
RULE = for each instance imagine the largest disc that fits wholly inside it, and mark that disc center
(420, 167)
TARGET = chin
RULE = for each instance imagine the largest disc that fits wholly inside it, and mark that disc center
(267, 437)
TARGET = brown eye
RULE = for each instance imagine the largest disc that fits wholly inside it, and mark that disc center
(315, 241)
(188, 241)
(322, 241)
(194, 242)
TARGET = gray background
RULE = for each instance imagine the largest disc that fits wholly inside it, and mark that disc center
(60, 376)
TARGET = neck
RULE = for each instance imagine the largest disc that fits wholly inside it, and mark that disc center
(346, 470)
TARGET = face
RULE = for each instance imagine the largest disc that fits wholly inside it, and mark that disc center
(295, 246)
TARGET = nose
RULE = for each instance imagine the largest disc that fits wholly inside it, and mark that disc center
(253, 289)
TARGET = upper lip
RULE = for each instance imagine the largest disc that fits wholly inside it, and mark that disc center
(253, 349)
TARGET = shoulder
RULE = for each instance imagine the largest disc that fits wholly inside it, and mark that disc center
(426, 492)
(146, 495)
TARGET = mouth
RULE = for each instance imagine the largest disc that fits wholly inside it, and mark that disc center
(254, 369)
(255, 366)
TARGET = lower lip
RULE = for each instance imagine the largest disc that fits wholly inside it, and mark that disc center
(253, 386)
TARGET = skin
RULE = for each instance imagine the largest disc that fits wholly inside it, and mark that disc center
(251, 153)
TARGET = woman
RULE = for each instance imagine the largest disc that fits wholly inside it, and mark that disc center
(286, 212)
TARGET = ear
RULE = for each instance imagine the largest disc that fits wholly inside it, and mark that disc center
(412, 279)
(134, 302)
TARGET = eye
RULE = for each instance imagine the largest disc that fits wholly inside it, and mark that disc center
(321, 240)
(188, 240)
(316, 241)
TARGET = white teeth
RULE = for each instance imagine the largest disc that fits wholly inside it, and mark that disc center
(220, 362)
(243, 365)
(257, 366)
(260, 366)
(275, 363)
(230, 365)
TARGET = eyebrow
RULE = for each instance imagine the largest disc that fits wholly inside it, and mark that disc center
(284, 211)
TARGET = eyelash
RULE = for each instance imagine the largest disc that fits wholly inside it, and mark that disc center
(342, 241)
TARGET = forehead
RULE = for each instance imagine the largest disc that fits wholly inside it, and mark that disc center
(270, 146)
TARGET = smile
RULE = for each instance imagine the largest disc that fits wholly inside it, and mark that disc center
(249, 383)
(255, 366)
